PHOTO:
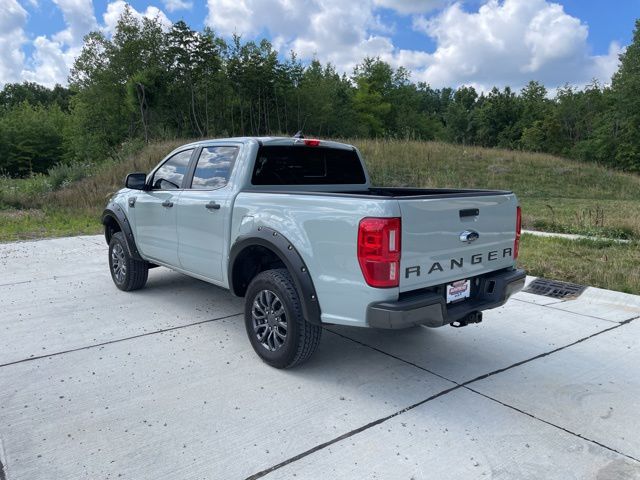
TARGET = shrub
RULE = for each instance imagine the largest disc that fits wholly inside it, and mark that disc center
(64, 174)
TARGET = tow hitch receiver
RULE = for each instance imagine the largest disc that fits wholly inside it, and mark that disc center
(473, 317)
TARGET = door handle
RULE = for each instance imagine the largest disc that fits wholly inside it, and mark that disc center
(212, 205)
(469, 212)
(167, 203)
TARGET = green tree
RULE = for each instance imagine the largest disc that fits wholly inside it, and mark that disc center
(625, 120)
(146, 82)
(193, 60)
(496, 119)
(31, 139)
(374, 81)
(13, 94)
(458, 116)
(116, 81)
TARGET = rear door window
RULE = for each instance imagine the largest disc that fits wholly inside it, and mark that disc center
(302, 165)
(214, 167)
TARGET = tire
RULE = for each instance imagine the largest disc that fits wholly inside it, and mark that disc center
(275, 289)
(127, 273)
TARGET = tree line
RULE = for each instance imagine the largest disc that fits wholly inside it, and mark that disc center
(147, 82)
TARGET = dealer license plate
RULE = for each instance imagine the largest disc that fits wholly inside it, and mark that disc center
(458, 290)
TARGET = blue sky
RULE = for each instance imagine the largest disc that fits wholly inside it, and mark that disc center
(473, 42)
(608, 21)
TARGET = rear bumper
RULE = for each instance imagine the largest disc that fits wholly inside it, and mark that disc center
(430, 308)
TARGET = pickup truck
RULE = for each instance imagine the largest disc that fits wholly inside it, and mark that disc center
(294, 226)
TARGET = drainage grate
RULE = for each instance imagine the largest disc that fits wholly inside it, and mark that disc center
(555, 289)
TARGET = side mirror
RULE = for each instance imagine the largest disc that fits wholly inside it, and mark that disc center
(136, 181)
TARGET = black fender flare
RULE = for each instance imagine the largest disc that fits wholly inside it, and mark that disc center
(114, 212)
(287, 253)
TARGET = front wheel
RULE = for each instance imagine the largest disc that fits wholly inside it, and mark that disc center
(127, 272)
(278, 332)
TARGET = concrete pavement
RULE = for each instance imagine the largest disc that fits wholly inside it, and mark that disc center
(162, 383)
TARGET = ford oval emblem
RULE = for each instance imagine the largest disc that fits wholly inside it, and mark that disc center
(469, 236)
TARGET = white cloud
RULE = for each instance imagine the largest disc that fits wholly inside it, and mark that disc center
(79, 17)
(338, 31)
(510, 43)
(411, 59)
(505, 42)
(248, 17)
(342, 33)
(411, 6)
(173, 5)
(12, 21)
(51, 62)
(117, 8)
(53, 57)
(604, 66)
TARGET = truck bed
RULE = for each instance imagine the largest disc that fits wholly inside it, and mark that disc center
(398, 193)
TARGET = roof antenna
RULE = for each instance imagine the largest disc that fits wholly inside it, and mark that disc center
(298, 134)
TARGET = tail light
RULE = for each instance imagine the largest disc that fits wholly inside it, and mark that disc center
(516, 245)
(311, 142)
(379, 251)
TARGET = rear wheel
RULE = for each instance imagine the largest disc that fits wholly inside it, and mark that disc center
(278, 332)
(127, 273)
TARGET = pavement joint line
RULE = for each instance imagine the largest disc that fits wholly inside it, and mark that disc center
(585, 314)
(551, 306)
(484, 376)
(550, 352)
(54, 277)
(457, 385)
(540, 304)
(348, 434)
(14, 283)
(602, 445)
(118, 340)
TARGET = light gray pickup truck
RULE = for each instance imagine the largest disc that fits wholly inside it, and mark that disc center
(294, 226)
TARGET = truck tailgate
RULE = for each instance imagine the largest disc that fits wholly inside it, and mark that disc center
(449, 239)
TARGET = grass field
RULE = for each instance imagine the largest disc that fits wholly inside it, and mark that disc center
(30, 208)
(604, 264)
(557, 195)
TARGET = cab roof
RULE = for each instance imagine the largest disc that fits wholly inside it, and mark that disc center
(275, 141)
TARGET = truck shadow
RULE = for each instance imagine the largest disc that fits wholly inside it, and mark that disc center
(508, 335)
